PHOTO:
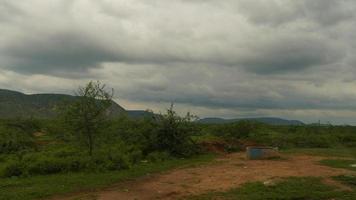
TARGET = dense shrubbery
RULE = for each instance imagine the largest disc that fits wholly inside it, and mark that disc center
(70, 159)
(16, 135)
(308, 136)
(156, 138)
(123, 143)
(173, 134)
(168, 133)
(13, 140)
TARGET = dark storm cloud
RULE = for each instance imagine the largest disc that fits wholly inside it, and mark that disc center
(58, 52)
(229, 88)
(253, 97)
(75, 51)
(80, 43)
(291, 54)
(283, 56)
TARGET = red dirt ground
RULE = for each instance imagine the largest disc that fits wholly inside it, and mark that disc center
(226, 172)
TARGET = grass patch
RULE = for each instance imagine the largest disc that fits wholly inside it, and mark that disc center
(289, 189)
(349, 180)
(44, 186)
(331, 152)
(339, 163)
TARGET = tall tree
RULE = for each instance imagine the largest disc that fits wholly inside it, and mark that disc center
(86, 116)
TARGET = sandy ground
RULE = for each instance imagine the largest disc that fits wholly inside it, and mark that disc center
(225, 173)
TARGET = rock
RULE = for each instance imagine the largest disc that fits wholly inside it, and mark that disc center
(269, 183)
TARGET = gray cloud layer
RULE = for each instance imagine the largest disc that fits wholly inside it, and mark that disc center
(233, 57)
(278, 12)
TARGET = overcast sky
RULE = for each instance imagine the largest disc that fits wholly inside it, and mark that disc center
(226, 58)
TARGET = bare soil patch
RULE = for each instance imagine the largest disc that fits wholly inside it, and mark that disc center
(226, 172)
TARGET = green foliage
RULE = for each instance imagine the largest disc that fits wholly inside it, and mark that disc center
(120, 144)
(70, 159)
(17, 135)
(290, 189)
(87, 115)
(236, 130)
(285, 136)
(12, 168)
(173, 134)
(342, 152)
(239, 130)
(135, 132)
(167, 133)
(347, 179)
(157, 156)
(340, 163)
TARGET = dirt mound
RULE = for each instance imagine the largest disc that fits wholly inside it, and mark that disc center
(226, 146)
(243, 143)
(219, 147)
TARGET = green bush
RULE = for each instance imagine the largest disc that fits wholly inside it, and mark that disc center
(174, 134)
(347, 179)
(306, 136)
(68, 159)
(12, 168)
(47, 165)
(157, 156)
(14, 140)
(302, 137)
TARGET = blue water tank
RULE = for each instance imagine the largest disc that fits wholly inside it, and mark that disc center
(254, 153)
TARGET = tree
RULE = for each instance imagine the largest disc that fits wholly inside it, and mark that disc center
(88, 113)
(174, 133)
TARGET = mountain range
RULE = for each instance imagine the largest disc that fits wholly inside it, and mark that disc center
(15, 104)
(266, 120)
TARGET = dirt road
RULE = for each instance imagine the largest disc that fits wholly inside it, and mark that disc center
(225, 173)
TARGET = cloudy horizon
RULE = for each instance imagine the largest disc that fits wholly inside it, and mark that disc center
(233, 58)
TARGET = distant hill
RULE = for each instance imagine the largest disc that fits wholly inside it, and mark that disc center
(266, 120)
(139, 113)
(16, 104)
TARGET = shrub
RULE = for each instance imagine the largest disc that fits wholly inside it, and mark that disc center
(67, 159)
(157, 156)
(47, 165)
(118, 161)
(174, 134)
(14, 140)
(12, 168)
(239, 130)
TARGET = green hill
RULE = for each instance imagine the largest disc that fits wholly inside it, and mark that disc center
(16, 104)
